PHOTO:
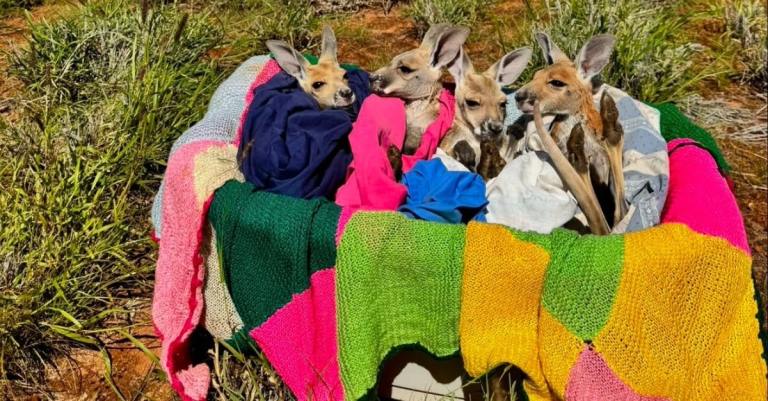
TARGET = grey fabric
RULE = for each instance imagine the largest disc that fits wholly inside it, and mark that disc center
(220, 122)
(646, 163)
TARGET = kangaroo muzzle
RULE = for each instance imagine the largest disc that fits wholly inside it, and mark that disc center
(525, 100)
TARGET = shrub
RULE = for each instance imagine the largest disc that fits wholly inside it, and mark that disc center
(459, 12)
(746, 34)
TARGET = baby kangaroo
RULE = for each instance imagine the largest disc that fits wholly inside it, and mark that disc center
(592, 140)
(477, 137)
(324, 81)
(414, 76)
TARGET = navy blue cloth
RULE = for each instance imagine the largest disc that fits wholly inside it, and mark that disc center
(290, 146)
(437, 194)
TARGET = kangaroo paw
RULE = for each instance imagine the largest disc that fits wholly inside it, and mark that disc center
(396, 161)
(613, 141)
(491, 163)
(465, 154)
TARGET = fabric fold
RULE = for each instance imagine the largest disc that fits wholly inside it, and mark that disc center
(436, 194)
(371, 183)
(290, 146)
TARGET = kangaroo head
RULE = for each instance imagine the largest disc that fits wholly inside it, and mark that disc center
(564, 87)
(415, 74)
(325, 81)
(481, 105)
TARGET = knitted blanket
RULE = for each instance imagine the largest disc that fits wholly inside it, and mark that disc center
(201, 160)
(204, 158)
(290, 146)
(666, 313)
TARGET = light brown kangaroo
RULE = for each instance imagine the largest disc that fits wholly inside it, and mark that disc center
(593, 140)
(476, 138)
(324, 81)
(414, 76)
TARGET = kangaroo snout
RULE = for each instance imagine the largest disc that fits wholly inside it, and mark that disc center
(344, 97)
(525, 100)
(492, 128)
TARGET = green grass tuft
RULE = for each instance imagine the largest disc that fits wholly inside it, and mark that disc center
(459, 12)
(105, 95)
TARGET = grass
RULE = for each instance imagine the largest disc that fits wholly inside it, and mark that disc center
(107, 89)
(11, 5)
(650, 60)
(459, 12)
(745, 37)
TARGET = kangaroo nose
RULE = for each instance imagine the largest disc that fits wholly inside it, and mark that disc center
(520, 95)
(374, 77)
(495, 127)
(345, 93)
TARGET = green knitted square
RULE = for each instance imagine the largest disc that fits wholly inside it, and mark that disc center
(582, 278)
(270, 245)
(416, 269)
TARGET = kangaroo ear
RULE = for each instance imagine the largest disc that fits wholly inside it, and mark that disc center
(328, 48)
(448, 46)
(509, 68)
(552, 53)
(288, 58)
(594, 56)
(460, 66)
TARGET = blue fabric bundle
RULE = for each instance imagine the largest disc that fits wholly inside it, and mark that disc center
(437, 194)
(290, 146)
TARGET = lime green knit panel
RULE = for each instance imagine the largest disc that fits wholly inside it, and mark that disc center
(582, 278)
(398, 282)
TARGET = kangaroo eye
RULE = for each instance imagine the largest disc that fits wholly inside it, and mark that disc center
(503, 105)
(557, 84)
(318, 84)
(405, 69)
(472, 103)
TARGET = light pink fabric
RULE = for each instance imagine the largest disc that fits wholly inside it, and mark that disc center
(300, 341)
(592, 380)
(699, 196)
(370, 181)
(177, 303)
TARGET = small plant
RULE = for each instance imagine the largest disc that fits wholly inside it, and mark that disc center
(459, 12)
(746, 30)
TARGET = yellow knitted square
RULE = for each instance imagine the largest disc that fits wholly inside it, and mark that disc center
(683, 324)
(501, 298)
(559, 349)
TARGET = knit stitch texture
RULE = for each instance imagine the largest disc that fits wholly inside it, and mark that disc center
(398, 283)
